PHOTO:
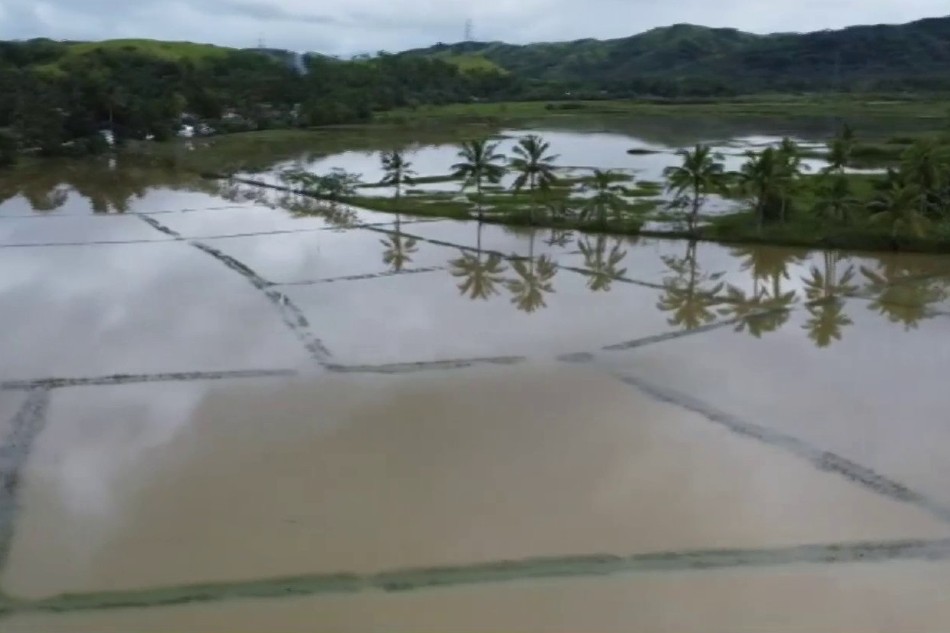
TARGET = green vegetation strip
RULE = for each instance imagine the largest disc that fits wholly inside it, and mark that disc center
(491, 572)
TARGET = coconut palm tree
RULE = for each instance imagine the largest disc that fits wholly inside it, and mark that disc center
(839, 151)
(791, 169)
(533, 164)
(899, 209)
(533, 281)
(480, 278)
(480, 163)
(761, 178)
(835, 199)
(684, 294)
(397, 173)
(601, 267)
(701, 173)
(605, 199)
(924, 165)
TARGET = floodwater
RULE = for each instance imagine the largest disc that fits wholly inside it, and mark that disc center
(217, 416)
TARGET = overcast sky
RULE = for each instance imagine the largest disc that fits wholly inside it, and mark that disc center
(344, 27)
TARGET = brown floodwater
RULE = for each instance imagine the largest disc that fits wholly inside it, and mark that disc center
(216, 416)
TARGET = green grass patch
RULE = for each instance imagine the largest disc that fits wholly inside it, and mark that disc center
(422, 180)
(473, 63)
(430, 207)
(752, 106)
(808, 230)
(171, 51)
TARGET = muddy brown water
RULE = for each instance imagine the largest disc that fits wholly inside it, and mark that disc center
(216, 416)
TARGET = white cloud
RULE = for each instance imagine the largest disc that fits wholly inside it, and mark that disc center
(352, 26)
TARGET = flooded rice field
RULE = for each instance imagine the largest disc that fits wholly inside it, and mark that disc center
(216, 416)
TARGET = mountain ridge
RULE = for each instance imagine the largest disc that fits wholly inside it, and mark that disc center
(874, 56)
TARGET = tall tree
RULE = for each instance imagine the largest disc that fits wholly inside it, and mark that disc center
(700, 174)
(480, 163)
(761, 178)
(790, 157)
(924, 165)
(835, 200)
(397, 173)
(899, 209)
(533, 164)
(840, 150)
(605, 197)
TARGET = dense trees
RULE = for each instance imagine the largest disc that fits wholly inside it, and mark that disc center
(700, 174)
(58, 98)
(480, 163)
(695, 61)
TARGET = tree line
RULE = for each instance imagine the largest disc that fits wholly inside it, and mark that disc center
(54, 100)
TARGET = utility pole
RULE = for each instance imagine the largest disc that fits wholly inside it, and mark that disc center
(469, 30)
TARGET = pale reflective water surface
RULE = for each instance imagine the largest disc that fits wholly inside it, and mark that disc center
(218, 416)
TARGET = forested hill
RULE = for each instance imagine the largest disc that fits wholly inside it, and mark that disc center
(694, 59)
(59, 97)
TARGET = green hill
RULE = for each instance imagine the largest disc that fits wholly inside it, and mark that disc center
(881, 57)
(170, 51)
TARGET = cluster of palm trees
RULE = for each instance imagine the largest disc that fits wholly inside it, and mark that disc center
(773, 180)
(906, 201)
(532, 164)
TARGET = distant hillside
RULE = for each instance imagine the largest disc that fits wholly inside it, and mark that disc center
(171, 51)
(914, 55)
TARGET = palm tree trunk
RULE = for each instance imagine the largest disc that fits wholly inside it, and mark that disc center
(694, 215)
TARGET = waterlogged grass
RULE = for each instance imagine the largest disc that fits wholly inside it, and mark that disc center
(421, 180)
(171, 51)
(422, 205)
(809, 230)
(758, 106)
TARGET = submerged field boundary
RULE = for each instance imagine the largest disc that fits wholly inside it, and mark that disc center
(292, 316)
(821, 459)
(413, 579)
(25, 426)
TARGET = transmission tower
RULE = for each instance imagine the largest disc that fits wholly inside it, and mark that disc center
(469, 30)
